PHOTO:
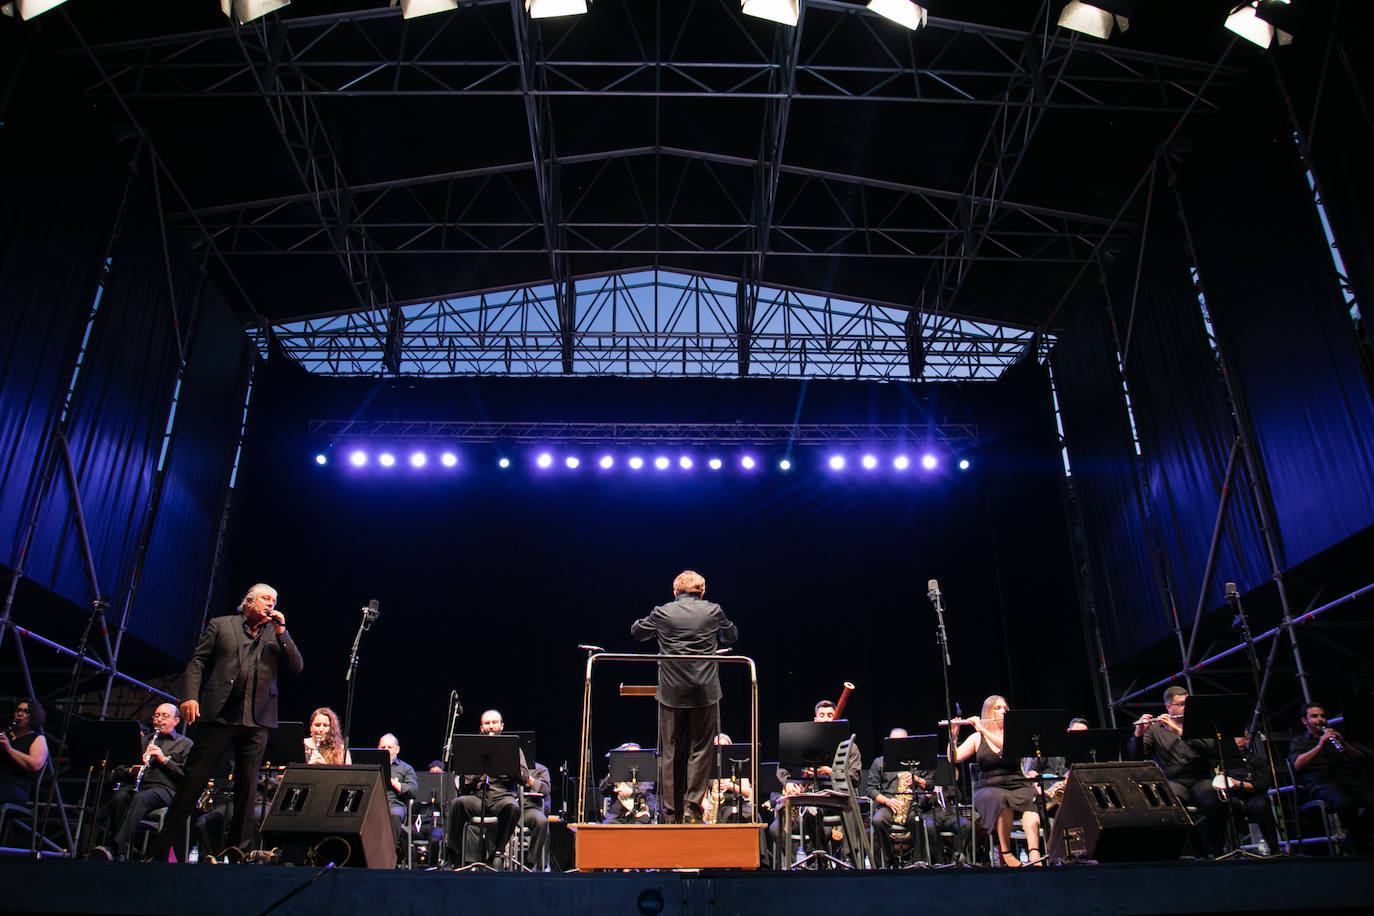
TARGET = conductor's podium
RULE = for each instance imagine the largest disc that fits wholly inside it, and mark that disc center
(614, 846)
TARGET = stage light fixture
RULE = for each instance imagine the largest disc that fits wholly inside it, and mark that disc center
(547, 9)
(1096, 17)
(785, 12)
(412, 8)
(714, 464)
(503, 463)
(545, 460)
(358, 459)
(606, 462)
(785, 465)
(685, 462)
(27, 9)
(901, 462)
(747, 462)
(321, 460)
(418, 459)
(928, 462)
(386, 459)
(963, 464)
(1262, 21)
(248, 10)
(902, 12)
(837, 462)
(636, 463)
(449, 459)
(661, 463)
(870, 462)
(572, 461)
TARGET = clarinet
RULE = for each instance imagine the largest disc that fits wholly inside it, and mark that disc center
(147, 754)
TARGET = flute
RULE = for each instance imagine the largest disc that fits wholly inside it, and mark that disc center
(969, 721)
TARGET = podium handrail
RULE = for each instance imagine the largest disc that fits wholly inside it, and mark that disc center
(584, 753)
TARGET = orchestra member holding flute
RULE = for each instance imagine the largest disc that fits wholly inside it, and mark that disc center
(1186, 764)
(1002, 791)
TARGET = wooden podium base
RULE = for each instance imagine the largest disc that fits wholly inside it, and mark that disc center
(667, 846)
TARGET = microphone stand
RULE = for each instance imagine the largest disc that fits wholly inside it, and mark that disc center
(1259, 721)
(942, 638)
(370, 615)
(455, 709)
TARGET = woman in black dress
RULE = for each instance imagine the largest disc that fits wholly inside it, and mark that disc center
(1002, 791)
(23, 751)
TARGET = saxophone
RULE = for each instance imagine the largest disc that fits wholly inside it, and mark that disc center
(901, 806)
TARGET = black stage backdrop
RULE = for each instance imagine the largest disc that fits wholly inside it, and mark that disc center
(489, 580)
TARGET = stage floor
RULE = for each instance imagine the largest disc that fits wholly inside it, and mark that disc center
(1254, 887)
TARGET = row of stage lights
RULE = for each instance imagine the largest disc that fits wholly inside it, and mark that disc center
(545, 460)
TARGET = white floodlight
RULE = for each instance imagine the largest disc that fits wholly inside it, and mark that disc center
(782, 11)
(412, 8)
(248, 10)
(1255, 22)
(1095, 17)
(548, 9)
(27, 9)
(902, 12)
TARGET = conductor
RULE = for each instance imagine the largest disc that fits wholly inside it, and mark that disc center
(688, 692)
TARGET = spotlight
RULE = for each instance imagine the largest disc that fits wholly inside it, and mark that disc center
(387, 459)
(870, 462)
(928, 462)
(780, 11)
(902, 12)
(503, 463)
(449, 459)
(661, 463)
(685, 462)
(358, 459)
(546, 9)
(636, 462)
(545, 460)
(963, 464)
(320, 459)
(571, 461)
(714, 464)
(747, 462)
(901, 462)
(606, 461)
(785, 465)
(836, 462)
(1262, 21)
(30, 8)
(412, 8)
(248, 10)
(1096, 17)
(417, 460)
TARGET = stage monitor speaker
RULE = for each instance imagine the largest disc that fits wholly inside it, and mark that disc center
(343, 804)
(1119, 812)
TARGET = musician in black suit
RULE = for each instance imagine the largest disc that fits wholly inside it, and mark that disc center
(231, 687)
(150, 785)
(688, 692)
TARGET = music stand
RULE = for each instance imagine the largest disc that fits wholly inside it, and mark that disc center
(734, 758)
(1037, 733)
(488, 755)
(809, 744)
(101, 744)
(1092, 745)
(285, 744)
(373, 757)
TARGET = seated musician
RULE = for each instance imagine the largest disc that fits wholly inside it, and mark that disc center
(1187, 764)
(1002, 791)
(401, 790)
(484, 796)
(1334, 770)
(814, 779)
(535, 816)
(1245, 787)
(23, 752)
(630, 802)
(150, 785)
(325, 742)
(727, 800)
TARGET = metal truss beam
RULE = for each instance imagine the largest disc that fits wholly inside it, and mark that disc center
(475, 432)
(362, 54)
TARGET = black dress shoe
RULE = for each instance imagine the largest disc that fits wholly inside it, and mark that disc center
(692, 816)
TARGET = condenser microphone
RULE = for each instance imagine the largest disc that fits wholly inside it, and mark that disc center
(933, 589)
(371, 609)
(1231, 591)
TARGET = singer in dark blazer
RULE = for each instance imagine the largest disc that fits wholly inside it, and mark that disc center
(688, 692)
(231, 690)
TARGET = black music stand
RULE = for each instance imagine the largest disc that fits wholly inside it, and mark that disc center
(488, 755)
(100, 745)
(809, 744)
(1036, 733)
(1219, 717)
(285, 744)
(635, 767)
(907, 755)
(373, 757)
(1093, 745)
